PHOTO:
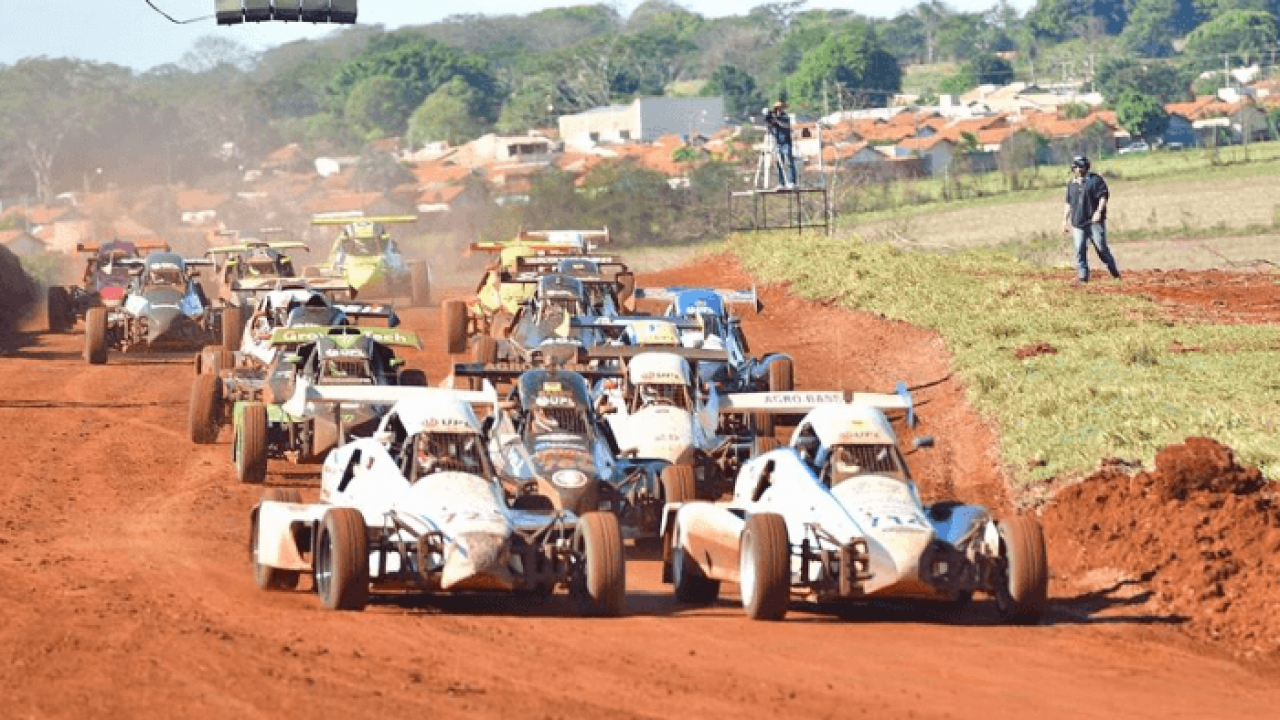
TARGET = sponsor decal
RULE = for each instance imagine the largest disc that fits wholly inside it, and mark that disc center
(557, 401)
(345, 352)
(802, 398)
(661, 376)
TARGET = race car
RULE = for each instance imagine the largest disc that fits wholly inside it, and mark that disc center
(542, 325)
(719, 329)
(501, 290)
(224, 377)
(251, 264)
(164, 308)
(365, 257)
(836, 516)
(284, 423)
(417, 507)
(102, 285)
(546, 438)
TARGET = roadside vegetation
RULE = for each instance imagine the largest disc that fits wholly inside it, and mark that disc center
(1122, 382)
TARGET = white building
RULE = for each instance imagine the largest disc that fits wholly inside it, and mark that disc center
(644, 120)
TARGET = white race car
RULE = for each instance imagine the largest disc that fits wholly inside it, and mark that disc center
(836, 516)
(418, 507)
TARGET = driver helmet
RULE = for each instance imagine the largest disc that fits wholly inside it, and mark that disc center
(844, 465)
(649, 395)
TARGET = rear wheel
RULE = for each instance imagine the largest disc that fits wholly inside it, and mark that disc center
(95, 336)
(455, 326)
(269, 578)
(342, 560)
(1025, 593)
(206, 405)
(762, 425)
(420, 284)
(251, 444)
(764, 567)
(484, 352)
(781, 376)
(232, 327)
(601, 585)
(691, 584)
(762, 445)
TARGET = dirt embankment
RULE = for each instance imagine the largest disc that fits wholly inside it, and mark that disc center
(18, 294)
(1195, 539)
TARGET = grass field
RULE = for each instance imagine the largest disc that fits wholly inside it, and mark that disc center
(1114, 388)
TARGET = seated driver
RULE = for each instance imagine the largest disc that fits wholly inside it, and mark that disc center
(652, 395)
(427, 461)
(542, 421)
(843, 465)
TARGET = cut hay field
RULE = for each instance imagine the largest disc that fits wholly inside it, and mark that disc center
(1136, 206)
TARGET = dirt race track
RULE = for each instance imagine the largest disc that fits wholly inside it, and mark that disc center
(126, 589)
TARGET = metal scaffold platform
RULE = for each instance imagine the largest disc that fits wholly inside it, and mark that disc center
(799, 209)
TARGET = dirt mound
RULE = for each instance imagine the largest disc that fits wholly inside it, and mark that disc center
(18, 292)
(1030, 351)
(1200, 533)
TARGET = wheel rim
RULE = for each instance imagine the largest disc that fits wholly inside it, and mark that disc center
(324, 566)
(747, 571)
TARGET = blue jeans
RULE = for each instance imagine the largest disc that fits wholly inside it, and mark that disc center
(1097, 234)
(786, 163)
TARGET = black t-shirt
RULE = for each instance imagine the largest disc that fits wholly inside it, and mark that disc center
(779, 124)
(1084, 196)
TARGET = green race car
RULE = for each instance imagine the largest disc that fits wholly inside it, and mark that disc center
(366, 257)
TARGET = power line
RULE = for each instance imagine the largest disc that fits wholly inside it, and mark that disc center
(170, 18)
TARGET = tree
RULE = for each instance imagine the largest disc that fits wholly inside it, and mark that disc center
(1248, 33)
(988, 69)
(213, 51)
(1062, 19)
(378, 171)
(1141, 115)
(847, 69)
(451, 113)
(1154, 24)
(1164, 82)
(373, 107)
(741, 96)
(44, 102)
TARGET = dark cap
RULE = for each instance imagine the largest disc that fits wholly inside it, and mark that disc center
(1080, 161)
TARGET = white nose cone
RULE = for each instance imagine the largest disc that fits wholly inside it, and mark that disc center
(477, 561)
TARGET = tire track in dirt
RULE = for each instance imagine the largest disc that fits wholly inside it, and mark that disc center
(127, 591)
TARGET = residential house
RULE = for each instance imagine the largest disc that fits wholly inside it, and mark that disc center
(23, 243)
(937, 151)
(644, 120)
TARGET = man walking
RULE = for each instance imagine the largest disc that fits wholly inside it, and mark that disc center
(1085, 217)
(779, 123)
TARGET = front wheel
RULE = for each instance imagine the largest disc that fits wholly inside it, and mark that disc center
(764, 567)
(455, 326)
(1025, 593)
(267, 577)
(342, 560)
(601, 585)
(232, 327)
(61, 315)
(206, 403)
(419, 284)
(781, 375)
(251, 444)
(95, 336)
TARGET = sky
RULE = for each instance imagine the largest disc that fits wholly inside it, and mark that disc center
(129, 33)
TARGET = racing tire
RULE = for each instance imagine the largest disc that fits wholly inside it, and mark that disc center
(60, 314)
(455, 326)
(1025, 594)
(484, 352)
(419, 284)
(232, 327)
(690, 583)
(205, 409)
(601, 586)
(251, 444)
(95, 336)
(764, 444)
(342, 560)
(269, 578)
(413, 377)
(678, 484)
(626, 286)
(764, 567)
(781, 375)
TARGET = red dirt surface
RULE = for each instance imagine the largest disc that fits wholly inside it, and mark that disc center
(1194, 539)
(1216, 296)
(126, 590)
(1035, 349)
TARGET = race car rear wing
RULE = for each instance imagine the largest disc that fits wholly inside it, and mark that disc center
(730, 297)
(256, 244)
(339, 396)
(626, 352)
(311, 333)
(357, 312)
(799, 402)
(543, 263)
(506, 372)
(346, 220)
(143, 246)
